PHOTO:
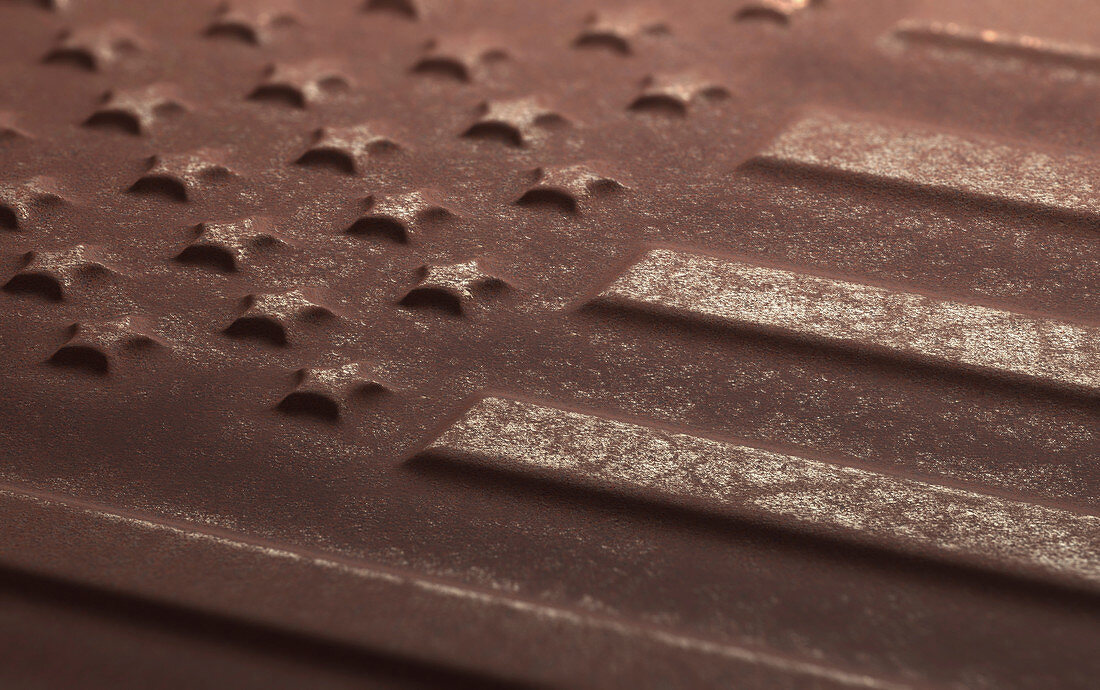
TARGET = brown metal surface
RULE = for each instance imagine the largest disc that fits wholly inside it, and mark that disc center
(575, 343)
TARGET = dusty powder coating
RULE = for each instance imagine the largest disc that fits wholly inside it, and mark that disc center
(608, 344)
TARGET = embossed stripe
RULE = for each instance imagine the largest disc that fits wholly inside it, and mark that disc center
(967, 336)
(993, 42)
(941, 160)
(395, 613)
(652, 463)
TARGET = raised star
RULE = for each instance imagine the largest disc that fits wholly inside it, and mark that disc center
(399, 216)
(135, 111)
(348, 149)
(674, 93)
(252, 21)
(226, 246)
(777, 11)
(20, 201)
(300, 85)
(409, 9)
(96, 345)
(462, 58)
(95, 48)
(619, 31)
(517, 122)
(566, 186)
(179, 176)
(451, 287)
(325, 392)
(52, 274)
(272, 316)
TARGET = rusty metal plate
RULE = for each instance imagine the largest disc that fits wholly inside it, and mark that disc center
(577, 343)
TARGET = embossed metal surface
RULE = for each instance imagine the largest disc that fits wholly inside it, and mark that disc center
(586, 343)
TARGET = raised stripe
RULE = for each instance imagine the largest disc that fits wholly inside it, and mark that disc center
(652, 463)
(998, 43)
(967, 336)
(912, 154)
(332, 597)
